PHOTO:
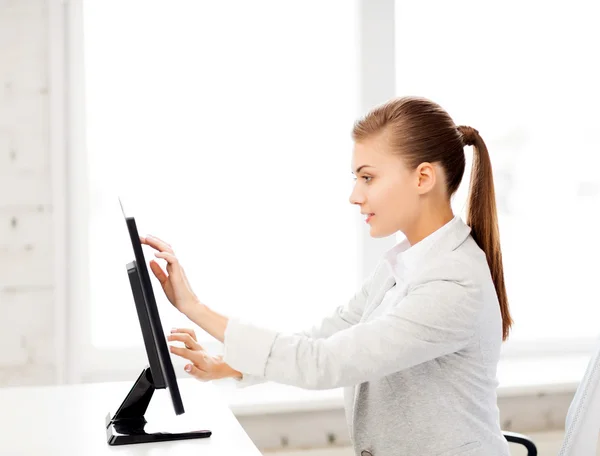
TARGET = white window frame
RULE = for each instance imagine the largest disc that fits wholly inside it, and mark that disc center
(58, 161)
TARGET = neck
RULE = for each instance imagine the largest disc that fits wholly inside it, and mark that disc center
(429, 224)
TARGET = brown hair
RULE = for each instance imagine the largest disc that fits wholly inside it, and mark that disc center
(421, 131)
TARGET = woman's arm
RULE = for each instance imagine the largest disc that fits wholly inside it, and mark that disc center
(436, 318)
(179, 292)
(342, 318)
(249, 347)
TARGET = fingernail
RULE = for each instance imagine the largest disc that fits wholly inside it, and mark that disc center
(173, 330)
(188, 368)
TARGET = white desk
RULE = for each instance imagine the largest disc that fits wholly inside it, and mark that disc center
(70, 420)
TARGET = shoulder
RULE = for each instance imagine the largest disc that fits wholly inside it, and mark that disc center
(464, 266)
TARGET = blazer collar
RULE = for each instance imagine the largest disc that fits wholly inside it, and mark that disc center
(403, 257)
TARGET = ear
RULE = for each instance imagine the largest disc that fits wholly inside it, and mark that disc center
(426, 177)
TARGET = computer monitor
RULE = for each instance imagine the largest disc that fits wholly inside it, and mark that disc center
(127, 424)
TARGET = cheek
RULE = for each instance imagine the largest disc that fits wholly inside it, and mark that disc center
(401, 199)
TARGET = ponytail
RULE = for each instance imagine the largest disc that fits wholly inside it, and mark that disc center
(482, 217)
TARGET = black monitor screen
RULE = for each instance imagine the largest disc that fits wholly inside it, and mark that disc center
(159, 358)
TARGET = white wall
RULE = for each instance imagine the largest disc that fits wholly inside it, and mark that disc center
(27, 331)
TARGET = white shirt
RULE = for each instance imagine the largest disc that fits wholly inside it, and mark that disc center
(401, 260)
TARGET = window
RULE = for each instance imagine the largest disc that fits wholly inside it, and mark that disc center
(226, 129)
(522, 74)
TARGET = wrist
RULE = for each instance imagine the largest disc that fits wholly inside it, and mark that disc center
(228, 371)
(210, 321)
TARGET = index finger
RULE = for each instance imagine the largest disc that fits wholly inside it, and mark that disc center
(156, 243)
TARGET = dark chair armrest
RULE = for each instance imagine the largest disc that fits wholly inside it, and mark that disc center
(521, 439)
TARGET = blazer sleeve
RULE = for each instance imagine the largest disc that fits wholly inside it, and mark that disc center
(435, 318)
(343, 317)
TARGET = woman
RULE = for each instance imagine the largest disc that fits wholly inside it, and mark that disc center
(416, 349)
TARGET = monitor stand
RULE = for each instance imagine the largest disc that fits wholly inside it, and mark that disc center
(127, 424)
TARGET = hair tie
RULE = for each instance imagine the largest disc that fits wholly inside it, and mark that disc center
(468, 134)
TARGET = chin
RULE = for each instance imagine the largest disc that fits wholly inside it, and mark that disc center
(377, 234)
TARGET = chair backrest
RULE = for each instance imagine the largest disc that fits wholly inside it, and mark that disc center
(583, 418)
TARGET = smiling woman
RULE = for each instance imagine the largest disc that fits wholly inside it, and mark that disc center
(428, 323)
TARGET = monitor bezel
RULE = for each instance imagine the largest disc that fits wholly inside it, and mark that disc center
(160, 342)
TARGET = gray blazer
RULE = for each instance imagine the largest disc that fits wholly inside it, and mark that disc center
(419, 378)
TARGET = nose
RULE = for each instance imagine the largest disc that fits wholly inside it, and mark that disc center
(356, 197)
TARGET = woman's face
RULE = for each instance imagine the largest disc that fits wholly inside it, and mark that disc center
(385, 187)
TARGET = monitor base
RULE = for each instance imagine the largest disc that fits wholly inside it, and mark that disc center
(116, 438)
(127, 425)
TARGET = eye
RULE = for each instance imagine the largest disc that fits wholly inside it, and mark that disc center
(363, 177)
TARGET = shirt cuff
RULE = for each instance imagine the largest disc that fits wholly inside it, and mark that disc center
(247, 347)
(248, 380)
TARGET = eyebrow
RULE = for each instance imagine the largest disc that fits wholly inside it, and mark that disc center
(361, 167)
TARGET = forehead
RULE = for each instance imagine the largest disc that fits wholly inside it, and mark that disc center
(373, 152)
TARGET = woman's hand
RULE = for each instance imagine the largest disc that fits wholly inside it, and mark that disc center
(204, 366)
(174, 282)
(178, 290)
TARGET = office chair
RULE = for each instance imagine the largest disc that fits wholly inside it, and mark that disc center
(514, 437)
(583, 418)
